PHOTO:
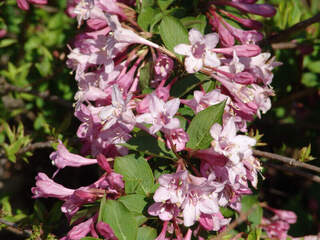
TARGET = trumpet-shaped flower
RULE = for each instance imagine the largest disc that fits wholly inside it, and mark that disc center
(199, 52)
(118, 111)
(228, 143)
(161, 114)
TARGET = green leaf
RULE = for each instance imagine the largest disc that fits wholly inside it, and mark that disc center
(147, 144)
(140, 219)
(55, 213)
(15, 147)
(120, 220)
(199, 129)
(6, 206)
(7, 42)
(8, 132)
(146, 16)
(255, 234)
(40, 210)
(226, 212)
(147, 233)
(145, 75)
(134, 202)
(199, 22)
(314, 66)
(310, 79)
(251, 203)
(164, 4)
(136, 170)
(157, 18)
(172, 33)
(188, 83)
(295, 15)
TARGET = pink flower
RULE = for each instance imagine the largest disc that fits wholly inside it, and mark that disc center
(24, 4)
(178, 137)
(228, 143)
(173, 187)
(163, 65)
(261, 66)
(81, 230)
(125, 35)
(3, 32)
(63, 158)
(199, 200)
(213, 222)
(161, 114)
(199, 52)
(118, 111)
(203, 100)
(46, 187)
(245, 50)
(166, 211)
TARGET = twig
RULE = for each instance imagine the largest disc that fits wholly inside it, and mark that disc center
(309, 176)
(12, 227)
(295, 96)
(35, 146)
(287, 160)
(30, 147)
(6, 87)
(284, 45)
(284, 35)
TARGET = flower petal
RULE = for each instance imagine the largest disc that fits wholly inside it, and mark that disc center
(183, 49)
(195, 36)
(211, 40)
(192, 64)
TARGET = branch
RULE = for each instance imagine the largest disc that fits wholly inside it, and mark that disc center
(294, 96)
(6, 87)
(284, 35)
(287, 160)
(30, 147)
(12, 227)
(35, 146)
(309, 176)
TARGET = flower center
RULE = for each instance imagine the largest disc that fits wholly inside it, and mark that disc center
(198, 49)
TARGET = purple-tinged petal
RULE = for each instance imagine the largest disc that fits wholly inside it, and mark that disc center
(193, 64)
(183, 49)
(211, 40)
(195, 36)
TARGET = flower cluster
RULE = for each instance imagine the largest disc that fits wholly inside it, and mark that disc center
(108, 60)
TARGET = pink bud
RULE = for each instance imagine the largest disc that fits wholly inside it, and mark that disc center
(246, 50)
(103, 163)
(245, 1)
(81, 230)
(249, 23)
(244, 78)
(96, 23)
(3, 32)
(143, 106)
(106, 231)
(225, 37)
(41, 2)
(23, 4)
(287, 216)
(63, 158)
(46, 187)
(264, 10)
